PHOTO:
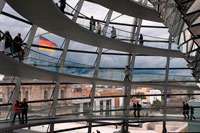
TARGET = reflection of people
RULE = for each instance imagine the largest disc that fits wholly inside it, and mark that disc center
(138, 107)
(24, 107)
(192, 113)
(184, 110)
(187, 110)
(98, 28)
(126, 78)
(92, 24)
(16, 111)
(141, 40)
(134, 108)
(113, 33)
(62, 5)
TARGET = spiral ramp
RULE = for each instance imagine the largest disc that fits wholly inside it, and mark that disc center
(59, 24)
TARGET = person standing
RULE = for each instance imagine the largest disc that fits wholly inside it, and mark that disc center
(8, 41)
(62, 5)
(24, 107)
(134, 109)
(98, 28)
(113, 33)
(187, 108)
(184, 110)
(138, 107)
(192, 113)
(92, 23)
(126, 78)
(18, 46)
(141, 40)
(17, 111)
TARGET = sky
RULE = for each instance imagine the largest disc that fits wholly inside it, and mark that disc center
(99, 12)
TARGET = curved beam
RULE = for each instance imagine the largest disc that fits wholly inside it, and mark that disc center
(9, 126)
(52, 19)
(130, 8)
(12, 67)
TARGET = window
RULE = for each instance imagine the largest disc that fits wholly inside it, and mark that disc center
(26, 95)
(45, 95)
(62, 95)
(19, 97)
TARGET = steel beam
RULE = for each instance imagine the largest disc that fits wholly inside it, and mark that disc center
(2, 4)
(30, 40)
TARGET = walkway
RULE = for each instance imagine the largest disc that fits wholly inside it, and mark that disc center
(61, 25)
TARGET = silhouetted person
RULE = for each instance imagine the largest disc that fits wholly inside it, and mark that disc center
(184, 110)
(192, 113)
(98, 131)
(98, 28)
(134, 109)
(187, 110)
(126, 78)
(8, 41)
(24, 108)
(138, 107)
(18, 46)
(16, 111)
(113, 33)
(141, 40)
(62, 5)
(92, 23)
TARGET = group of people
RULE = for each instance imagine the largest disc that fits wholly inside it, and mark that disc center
(98, 28)
(21, 108)
(186, 110)
(15, 45)
(136, 109)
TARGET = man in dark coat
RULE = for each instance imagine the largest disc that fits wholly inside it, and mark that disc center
(187, 108)
(17, 45)
(62, 5)
(8, 41)
(24, 107)
(138, 107)
(134, 108)
(184, 110)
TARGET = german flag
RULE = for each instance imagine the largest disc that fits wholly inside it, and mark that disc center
(45, 42)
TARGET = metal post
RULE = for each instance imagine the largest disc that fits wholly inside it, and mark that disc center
(165, 88)
(95, 75)
(63, 55)
(2, 4)
(30, 40)
(79, 6)
(55, 99)
(15, 97)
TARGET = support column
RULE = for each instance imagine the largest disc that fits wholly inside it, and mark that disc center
(2, 4)
(62, 63)
(165, 88)
(15, 97)
(63, 55)
(78, 9)
(67, 41)
(30, 40)
(95, 75)
(55, 99)
(127, 95)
